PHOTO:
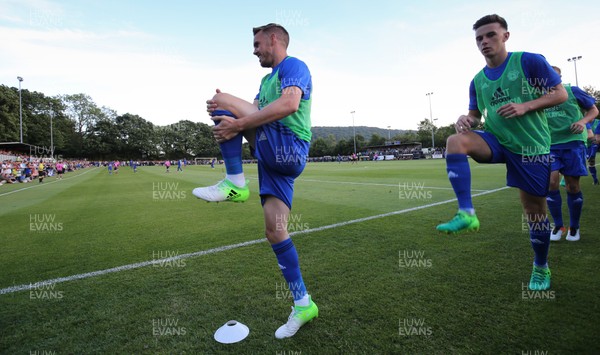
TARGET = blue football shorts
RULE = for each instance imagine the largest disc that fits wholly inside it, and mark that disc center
(281, 158)
(530, 173)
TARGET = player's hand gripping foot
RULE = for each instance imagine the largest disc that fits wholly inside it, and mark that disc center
(540, 279)
(298, 317)
(461, 222)
(224, 190)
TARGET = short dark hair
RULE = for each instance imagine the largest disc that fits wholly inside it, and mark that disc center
(279, 30)
(486, 20)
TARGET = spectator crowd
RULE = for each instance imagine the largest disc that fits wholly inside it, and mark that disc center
(22, 168)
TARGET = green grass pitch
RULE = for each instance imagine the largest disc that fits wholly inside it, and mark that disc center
(384, 279)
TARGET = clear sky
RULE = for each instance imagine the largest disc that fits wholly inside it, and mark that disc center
(162, 60)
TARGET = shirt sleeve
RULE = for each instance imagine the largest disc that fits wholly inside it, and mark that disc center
(294, 72)
(473, 97)
(585, 100)
(258, 94)
(538, 71)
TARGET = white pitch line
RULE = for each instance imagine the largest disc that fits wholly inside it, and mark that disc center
(376, 184)
(46, 183)
(86, 275)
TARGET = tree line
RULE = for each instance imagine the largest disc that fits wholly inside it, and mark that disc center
(82, 129)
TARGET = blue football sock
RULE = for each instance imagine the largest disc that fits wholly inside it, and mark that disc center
(554, 201)
(575, 203)
(459, 174)
(539, 233)
(287, 257)
(232, 149)
(593, 149)
(594, 173)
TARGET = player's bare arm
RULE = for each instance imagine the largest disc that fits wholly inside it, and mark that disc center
(288, 103)
(589, 117)
(468, 121)
(556, 95)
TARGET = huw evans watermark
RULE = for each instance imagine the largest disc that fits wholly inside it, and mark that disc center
(413, 191)
(44, 222)
(538, 223)
(290, 222)
(534, 352)
(536, 155)
(288, 352)
(167, 258)
(42, 352)
(39, 17)
(167, 327)
(167, 191)
(43, 153)
(413, 259)
(44, 291)
(283, 290)
(291, 18)
(290, 155)
(527, 294)
(414, 327)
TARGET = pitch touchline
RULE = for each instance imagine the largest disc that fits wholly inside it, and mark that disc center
(86, 275)
(46, 183)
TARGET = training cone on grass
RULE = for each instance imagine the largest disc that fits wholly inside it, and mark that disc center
(231, 332)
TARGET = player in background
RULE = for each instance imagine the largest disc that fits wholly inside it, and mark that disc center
(568, 154)
(510, 93)
(167, 165)
(60, 170)
(277, 127)
(593, 136)
(41, 172)
(179, 162)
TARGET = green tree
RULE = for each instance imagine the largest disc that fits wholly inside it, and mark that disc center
(424, 132)
(102, 141)
(203, 143)
(82, 110)
(9, 114)
(136, 136)
(361, 143)
(344, 147)
(376, 139)
(593, 92)
(319, 148)
(406, 137)
(442, 134)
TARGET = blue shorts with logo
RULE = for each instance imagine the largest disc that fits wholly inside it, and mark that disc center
(530, 173)
(281, 158)
(569, 158)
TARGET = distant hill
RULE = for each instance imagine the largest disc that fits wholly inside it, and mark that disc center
(347, 132)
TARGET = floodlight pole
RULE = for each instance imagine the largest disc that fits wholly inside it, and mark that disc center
(51, 137)
(574, 60)
(354, 130)
(20, 110)
(431, 120)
